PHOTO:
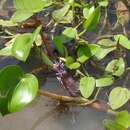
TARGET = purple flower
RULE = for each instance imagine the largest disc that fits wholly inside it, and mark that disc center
(59, 67)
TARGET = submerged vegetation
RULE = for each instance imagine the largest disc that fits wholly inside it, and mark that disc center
(78, 41)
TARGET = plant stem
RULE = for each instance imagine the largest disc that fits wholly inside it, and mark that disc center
(62, 98)
(49, 51)
(67, 99)
(80, 34)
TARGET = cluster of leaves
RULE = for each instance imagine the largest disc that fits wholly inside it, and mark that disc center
(18, 89)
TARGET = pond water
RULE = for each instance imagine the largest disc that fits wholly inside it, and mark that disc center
(47, 114)
(44, 113)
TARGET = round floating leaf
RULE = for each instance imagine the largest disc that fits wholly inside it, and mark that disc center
(123, 118)
(24, 93)
(116, 67)
(87, 86)
(106, 46)
(16, 89)
(22, 46)
(118, 97)
(87, 51)
(112, 125)
(88, 10)
(104, 81)
(122, 40)
(92, 20)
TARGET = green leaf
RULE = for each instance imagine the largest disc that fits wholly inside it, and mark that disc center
(112, 125)
(70, 63)
(59, 45)
(116, 67)
(122, 40)
(68, 18)
(24, 93)
(22, 46)
(118, 97)
(9, 78)
(92, 20)
(34, 6)
(103, 3)
(21, 15)
(36, 32)
(63, 15)
(106, 46)
(123, 118)
(16, 89)
(88, 10)
(104, 81)
(6, 51)
(87, 86)
(70, 32)
(87, 51)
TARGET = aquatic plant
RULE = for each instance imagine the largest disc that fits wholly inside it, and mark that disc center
(74, 44)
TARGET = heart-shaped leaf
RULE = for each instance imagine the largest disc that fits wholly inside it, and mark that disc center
(104, 81)
(92, 20)
(16, 89)
(118, 97)
(116, 67)
(122, 40)
(87, 86)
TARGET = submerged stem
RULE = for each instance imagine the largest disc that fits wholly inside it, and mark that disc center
(67, 99)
